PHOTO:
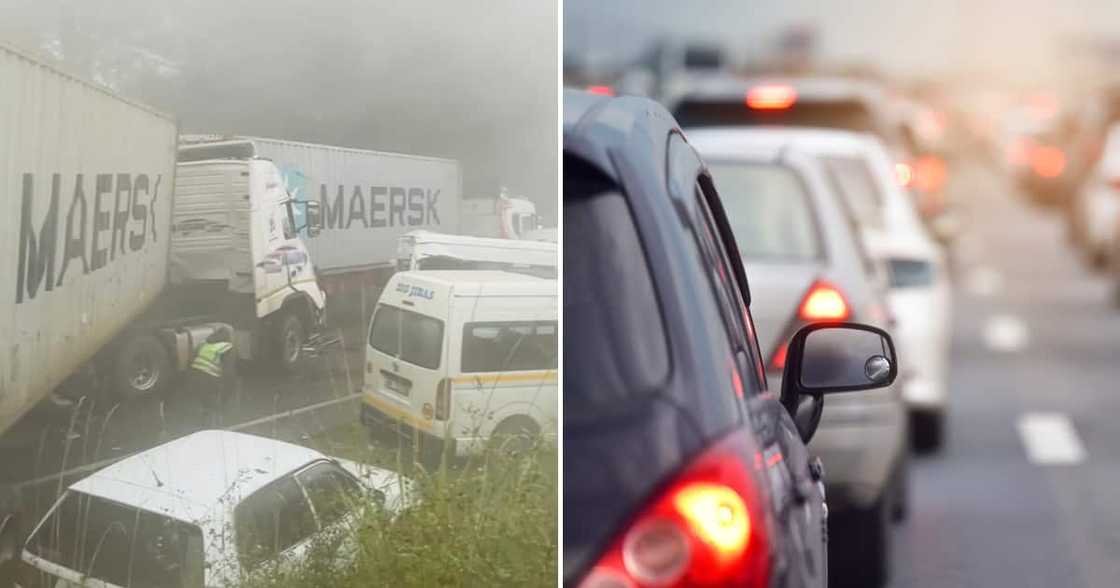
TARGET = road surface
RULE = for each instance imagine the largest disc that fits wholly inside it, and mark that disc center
(1024, 493)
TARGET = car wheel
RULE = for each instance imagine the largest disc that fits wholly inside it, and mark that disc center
(859, 545)
(515, 436)
(927, 428)
(142, 368)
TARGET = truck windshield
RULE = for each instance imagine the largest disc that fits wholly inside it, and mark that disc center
(119, 544)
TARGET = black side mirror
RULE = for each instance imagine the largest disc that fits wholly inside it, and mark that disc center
(828, 358)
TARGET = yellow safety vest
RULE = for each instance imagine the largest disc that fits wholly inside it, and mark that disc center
(209, 358)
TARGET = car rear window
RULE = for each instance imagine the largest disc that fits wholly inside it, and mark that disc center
(409, 336)
(768, 208)
(271, 520)
(614, 340)
(853, 115)
(857, 186)
(509, 346)
(910, 273)
(120, 544)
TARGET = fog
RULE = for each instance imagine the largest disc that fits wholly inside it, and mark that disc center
(460, 80)
(1012, 38)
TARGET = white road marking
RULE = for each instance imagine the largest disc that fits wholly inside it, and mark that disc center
(1050, 439)
(983, 281)
(1006, 333)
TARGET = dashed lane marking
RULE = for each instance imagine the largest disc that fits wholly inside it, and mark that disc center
(1050, 439)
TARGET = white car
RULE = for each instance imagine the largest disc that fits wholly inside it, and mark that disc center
(913, 265)
(1098, 204)
(208, 509)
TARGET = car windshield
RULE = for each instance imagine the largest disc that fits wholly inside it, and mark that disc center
(769, 210)
(119, 544)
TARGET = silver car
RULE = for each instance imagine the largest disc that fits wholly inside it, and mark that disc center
(806, 263)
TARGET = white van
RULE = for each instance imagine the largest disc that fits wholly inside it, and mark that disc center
(427, 250)
(460, 356)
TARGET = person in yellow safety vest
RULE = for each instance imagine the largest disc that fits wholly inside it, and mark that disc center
(213, 375)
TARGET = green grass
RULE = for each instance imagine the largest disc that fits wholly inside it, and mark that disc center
(489, 521)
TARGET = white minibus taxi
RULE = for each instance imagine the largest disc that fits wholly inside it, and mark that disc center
(459, 357)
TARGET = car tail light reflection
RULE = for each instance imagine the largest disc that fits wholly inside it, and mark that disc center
(705, 530)
(443, 400)
(771, 97)
(824, 302)
(601, 90)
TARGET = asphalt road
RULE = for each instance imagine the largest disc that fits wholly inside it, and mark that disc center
(1024, 493)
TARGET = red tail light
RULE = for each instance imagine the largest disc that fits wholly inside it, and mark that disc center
(443, 400)
(930, 174)
(771, 97)
(1115, 183)
(824, 302)
(705, 530)
(601, 90)
(778, 360)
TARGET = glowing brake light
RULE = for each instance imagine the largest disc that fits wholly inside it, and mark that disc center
(930, 174)
(704, 531)
(824, 303)
(601, 90)
(771, 97)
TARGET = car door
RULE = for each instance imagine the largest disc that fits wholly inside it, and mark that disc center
(797, 495)
(274, 529)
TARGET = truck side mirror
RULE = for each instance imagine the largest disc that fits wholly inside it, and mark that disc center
(313, 213)
(829, 358)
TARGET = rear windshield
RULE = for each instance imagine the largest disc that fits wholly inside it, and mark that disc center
(769, 211)
(509, 346)
(120, 544)
(910, 273)
(408, 336)
(853, 115)
(857, 186)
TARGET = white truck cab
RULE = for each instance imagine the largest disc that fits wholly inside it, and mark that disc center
(458, 357)
(233, 235)
(504, 217)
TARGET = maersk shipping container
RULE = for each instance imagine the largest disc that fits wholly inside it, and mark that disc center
(86, 184)
(369, 199)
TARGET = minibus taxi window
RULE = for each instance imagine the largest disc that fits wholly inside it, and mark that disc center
(408, 336)
(509, 346)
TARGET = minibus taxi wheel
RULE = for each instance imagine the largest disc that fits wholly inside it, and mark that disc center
(515, 435)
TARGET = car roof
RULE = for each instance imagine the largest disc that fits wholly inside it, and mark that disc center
(606, 132)
(189, 477)
(489, 282)
(727, 141)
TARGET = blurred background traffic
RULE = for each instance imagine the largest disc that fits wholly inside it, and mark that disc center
(988, 204)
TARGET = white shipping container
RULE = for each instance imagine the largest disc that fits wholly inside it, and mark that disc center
(369, 198)
(86, 184)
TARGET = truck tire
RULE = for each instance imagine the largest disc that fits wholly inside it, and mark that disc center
(290, 337)
(142, 368)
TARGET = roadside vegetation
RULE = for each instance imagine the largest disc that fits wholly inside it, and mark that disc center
(487, 521)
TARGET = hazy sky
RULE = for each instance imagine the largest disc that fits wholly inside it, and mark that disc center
(473, 81)
(1015, 36)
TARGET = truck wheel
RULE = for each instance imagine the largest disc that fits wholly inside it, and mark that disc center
(290, 337)
(142, 368)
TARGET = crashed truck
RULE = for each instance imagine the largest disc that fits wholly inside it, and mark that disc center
(367, 201)
(119, 261)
